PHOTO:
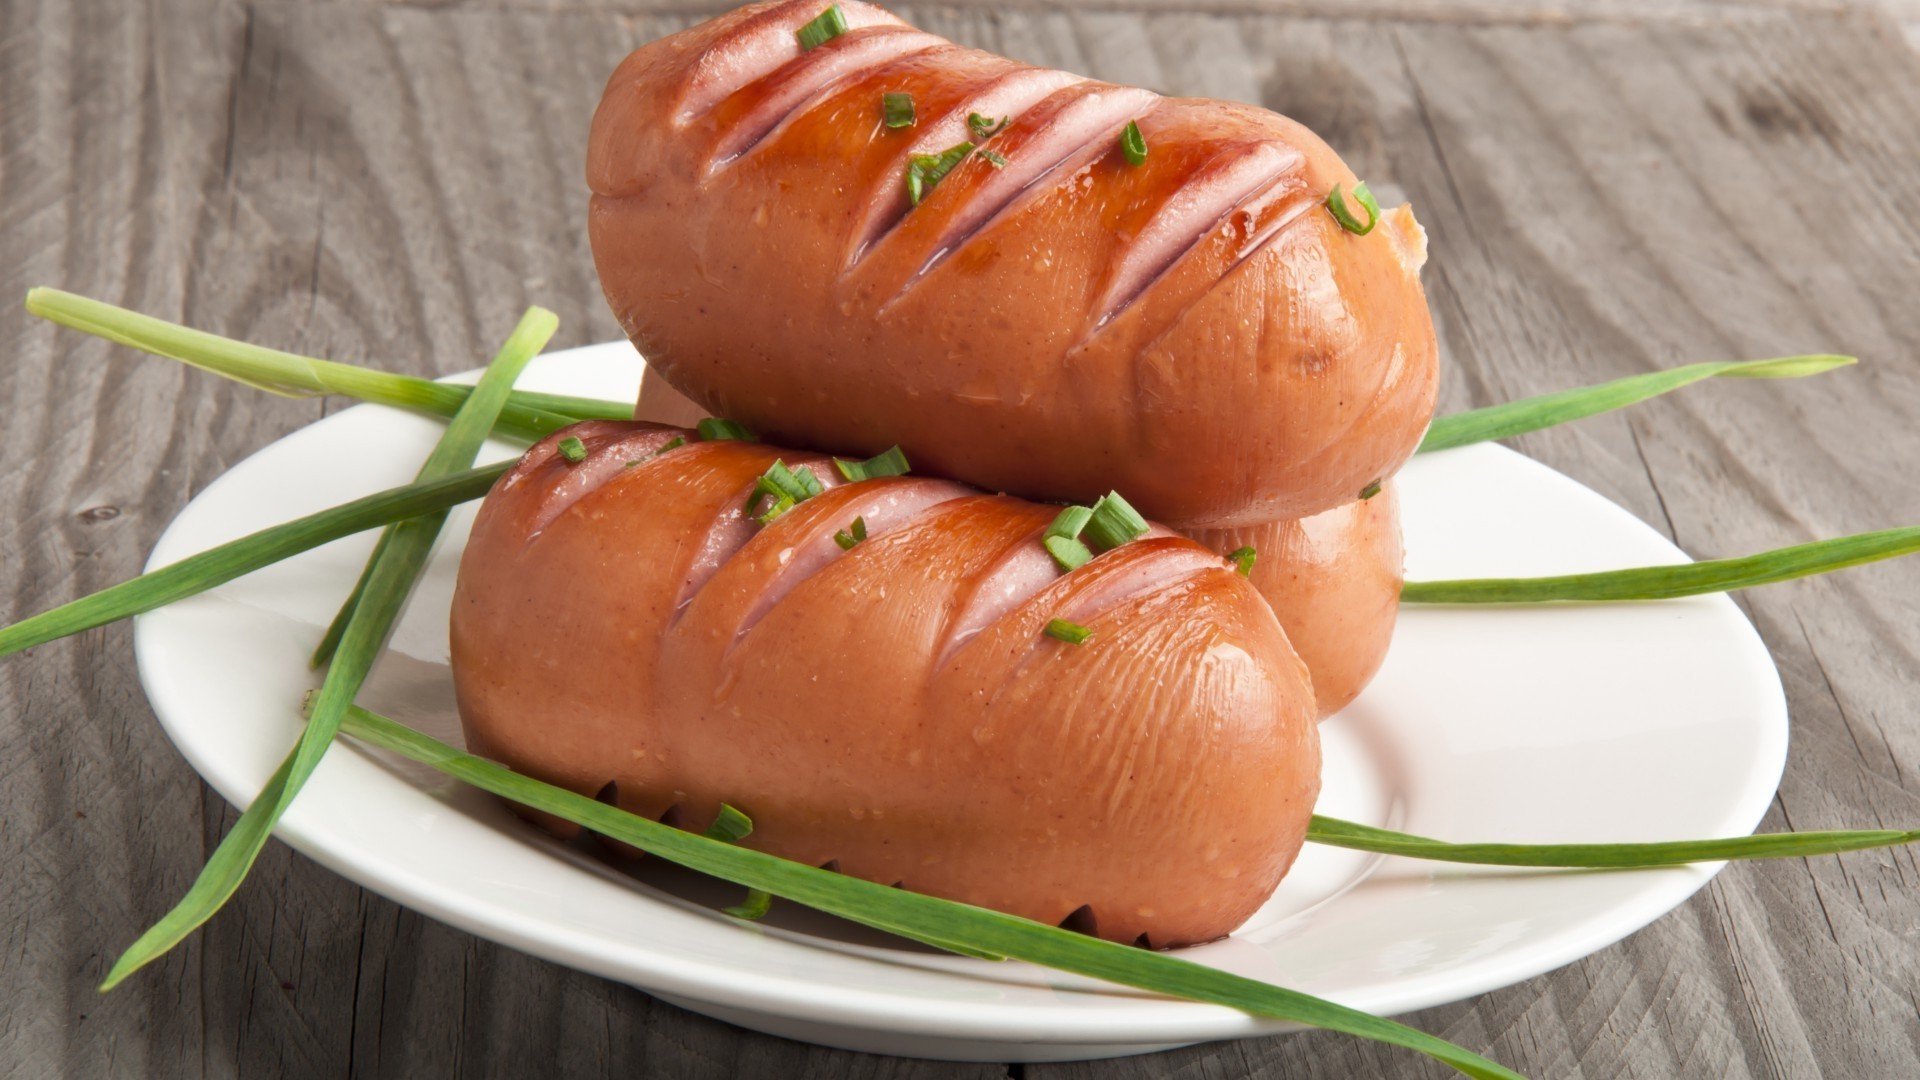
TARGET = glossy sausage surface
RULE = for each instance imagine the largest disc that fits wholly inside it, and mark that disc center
(894, 707)
(1333, 579)
(1197, 331)
(1334, 582)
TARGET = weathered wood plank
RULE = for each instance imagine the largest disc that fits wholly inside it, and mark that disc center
(1606, 194)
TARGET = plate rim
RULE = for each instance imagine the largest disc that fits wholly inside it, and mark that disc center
(1144, 1020)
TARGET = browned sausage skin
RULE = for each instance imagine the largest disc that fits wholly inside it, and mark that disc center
(1333, 579)
(1198, 331)
(895, 706)
(1334, 582)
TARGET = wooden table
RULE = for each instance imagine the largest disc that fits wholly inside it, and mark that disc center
(1608, 192)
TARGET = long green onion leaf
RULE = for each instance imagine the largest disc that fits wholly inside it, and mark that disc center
(527, 416)
(1666, 582)
(1347, 834)
(218, 565)
(366, 634)
(1547, 410)
(941, 923)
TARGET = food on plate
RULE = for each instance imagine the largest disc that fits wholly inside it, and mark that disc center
(894, 676)
(1334, 582)
(1034, 282)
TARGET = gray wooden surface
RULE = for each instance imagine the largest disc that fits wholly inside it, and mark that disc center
(1609, 189)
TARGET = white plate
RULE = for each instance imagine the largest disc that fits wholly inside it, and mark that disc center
(1565, 723)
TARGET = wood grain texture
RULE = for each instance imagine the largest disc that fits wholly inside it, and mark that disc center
(1607, 193)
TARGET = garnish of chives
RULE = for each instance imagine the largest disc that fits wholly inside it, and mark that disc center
(1070, 632)
(572, 449)
(674, 443)
(890, 462)
(781, 483)
(731, 825)
(388, 583)
(1113, 522)
(1684, 579)
(924, 171)
(714, 429)
(1336, 833)
(851, 535)
(927, 919)
(1070, 552)
(993, 159)
(897, 109)
(1069, 522)
(216, 566)
(780, 505)
(1243, 559)
(1133, 144)
(1337, 203)
(1535, 413)
(984, 127)
(1062, 538)
(1370, 491)
(528, 417)
(823, 28)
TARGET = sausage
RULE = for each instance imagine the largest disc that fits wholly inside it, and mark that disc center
(620, 625)
(1334, 582)
(1333, 579)
(1198, 331)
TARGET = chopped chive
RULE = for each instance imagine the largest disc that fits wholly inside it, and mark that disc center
(1370, 491)
(824, 27)
(573, 449)
(897, 109)
(731, 826)
(674, 443)
(993, 159)
(1070, 552)
(985, 127)
(848, 537)
(780, 482)
(714, 429)
(1070, 632)
(1133, 144)
(1069, 522)
(780, 505)
(926, 170)
(1243, 559)
(890, 462)
(941, 923)
(1337, 203)
(1113, 522)
(756, 907)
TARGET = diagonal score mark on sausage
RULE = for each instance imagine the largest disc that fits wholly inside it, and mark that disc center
(1065, 132)
(751, 113)
(1008, 96)
(1191, 212)
(753, 43)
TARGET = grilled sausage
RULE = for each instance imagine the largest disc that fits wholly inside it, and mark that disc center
(1334, 582)
(1197, 331)
(894, 706)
